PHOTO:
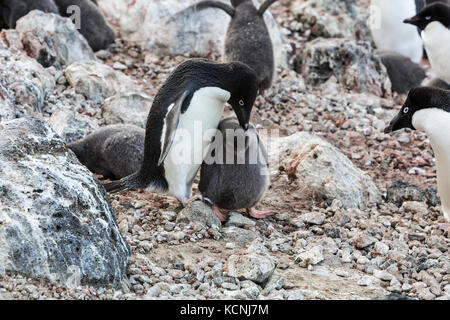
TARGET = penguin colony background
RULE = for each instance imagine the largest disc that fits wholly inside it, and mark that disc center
(199, 89)
(412, 39)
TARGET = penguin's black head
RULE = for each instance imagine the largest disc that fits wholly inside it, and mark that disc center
(418, 99)
(439, 12)
(243, 86)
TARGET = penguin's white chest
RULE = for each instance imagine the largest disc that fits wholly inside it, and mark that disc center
(436, 124)
(390, 33)
(436, 38)
(193, 136)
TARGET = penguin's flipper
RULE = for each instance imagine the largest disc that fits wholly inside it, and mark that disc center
(171, 125)
(265, 6)
(206, 4)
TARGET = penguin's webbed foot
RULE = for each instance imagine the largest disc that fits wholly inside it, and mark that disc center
(222, 217)
(257, 214)
(190, 200)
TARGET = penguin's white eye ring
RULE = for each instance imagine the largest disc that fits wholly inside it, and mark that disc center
(241, 103)
(428, 18)
(406, 110)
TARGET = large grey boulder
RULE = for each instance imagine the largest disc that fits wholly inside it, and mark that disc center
(97, 81)
(7, 109)
(128, 108)
(27, 81)
(353, 63)
(332, 19)
(322, 172)
(56, 221)
(53, 40)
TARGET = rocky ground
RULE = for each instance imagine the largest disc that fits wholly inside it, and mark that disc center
(381, 239)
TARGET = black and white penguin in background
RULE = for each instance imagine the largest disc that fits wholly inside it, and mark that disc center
(403, 72)
(114, 151)
(247, 39)
(13, 10)
(420, 4)
(428, 109)
(434, 22)
(93, 25)
(182, 121)
(236, 175)
(390, 33)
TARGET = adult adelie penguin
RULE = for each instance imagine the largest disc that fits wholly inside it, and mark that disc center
(93, 25)
(248, 39)
(428, 109)
(13, 10)
(434, 21)
(388, 31)
(184, 118)
(236, 174)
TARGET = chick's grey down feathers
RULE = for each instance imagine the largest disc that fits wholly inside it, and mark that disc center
(236, 186)
(93, 25)
(114, 151)
(247, 39)
(13, 10)
(403, 72)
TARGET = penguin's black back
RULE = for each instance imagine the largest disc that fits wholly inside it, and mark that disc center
(403, 72)
(420, 4)
(236, 186)
(93, 25)
(13, 10)
(248, 41)
(114, 151)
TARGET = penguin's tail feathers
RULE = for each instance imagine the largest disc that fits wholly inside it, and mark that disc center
(129, 182)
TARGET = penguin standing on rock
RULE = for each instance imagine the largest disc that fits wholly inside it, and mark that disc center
(237, 177)
(13, 10)
(248, 39)
(114, 151)
(428, 109)
(93, 25)
(183, 120)
(434, 22)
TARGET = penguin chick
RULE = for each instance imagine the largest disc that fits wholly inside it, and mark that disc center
(13, 10)
(247, 39)
(434, 22)
(403, 72)
(236, 175)
(183, 119)
(114, 151)
(438, 83)
(388, 31)
(428, 109)
(93, 25)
